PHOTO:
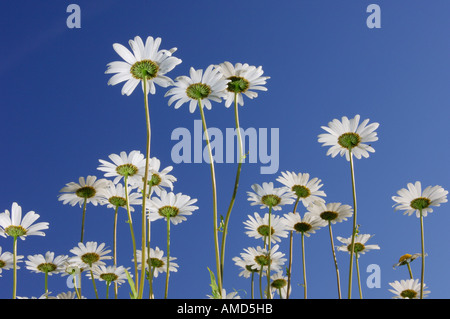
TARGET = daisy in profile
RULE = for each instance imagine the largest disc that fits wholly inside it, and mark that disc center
(305, 189)
(279, 284)
(349, 136)
(109, 274)
(199, 88)
(259, 227)
(268, 196)
(129, 166)
(114, 196)
(306, 225)
(89, 255)
(243, 79)
(158, 179)
(47, 263)
(413, 200)
(145, 63)
(171, 206)
(360, 244)
(408, 289)
(12, 224)
(157, 262)
(7, 260)
(407, 259)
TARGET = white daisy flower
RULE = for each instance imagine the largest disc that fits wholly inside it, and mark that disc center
(414, 200)
(306, 225)
(224, 295)
(279, 284)
(131, 165)
(13, 225)
(114, 196)
(258, 227)
(158, 178)
(66, 295)
(197, 88)
(171, 205)
(109, 274)
(246, 267)
(145, 62)
(407, 289)
(348, 135)
(244, 80)
(7, 260)
(89, 189)
(157, 261)
(259, 257)
(268, 196)
(47, 264)
(331, 212)
(89, 255)
(360, 246)
(406, 259)
(307, 190)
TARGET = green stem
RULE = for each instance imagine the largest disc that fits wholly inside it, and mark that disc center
(214, 193)
(409, 270)
(46, 283)
(93, 282)
(14, 267)
(335, 260)
(422, 273)
(82, 220)
(77, 290)
(168, 257)
(304, 266)
(270, 252)
(291, 244)
(147, 158)
(107, 289)
(130, 222)
(354, 227)
(236, 185)
(115, 246)
(252, 288)
(150, 281)
(260, 282)
(359, 279)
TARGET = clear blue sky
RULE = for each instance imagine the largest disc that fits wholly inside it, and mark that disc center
(59, 116)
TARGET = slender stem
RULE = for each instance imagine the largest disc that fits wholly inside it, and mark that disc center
(150, 271)
(260, 282)
(409, 270)
(252, 288)
(46, 283)
(335, 260)
(115, 246)
(93, 283)
(214, 192)
(168, 257)
(354, 226)
(422, 273)
(359, 279)
(107, 289)
(236, 185)
(130, 222)
(14, 267)
(150, 281)
(270, 252)
(304, 265)
(144, 192)
(291, 244)
(82, 220)
(77, 290)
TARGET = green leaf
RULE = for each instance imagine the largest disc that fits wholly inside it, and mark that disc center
(215, 289)
(133, 293)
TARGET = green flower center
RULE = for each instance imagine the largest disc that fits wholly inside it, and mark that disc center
(126, 169)
(420, 203)
(270, 200)
(117, 201)
(356, 248)
(301, 191)
(86, 192)
(144, 69)
(2, 264)
(155, 262)
(408, 293)
(90, 258)
(302, 227)
(198, 91)
(46, 267)
(349, 140)
(262, 260)
(237, 84)
(155, 180)
(264, 230)
(168, 211)
(15, 231)
(329, 215)
(109, 277)
(250, 269)
(278, 283)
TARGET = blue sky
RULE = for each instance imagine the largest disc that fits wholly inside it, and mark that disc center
(59, 117)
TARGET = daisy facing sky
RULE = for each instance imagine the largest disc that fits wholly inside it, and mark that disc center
(130, 165)
(89, 189)
(145, 61)
(266, 195)
(12, 224)
(171, 205)
(305, 189)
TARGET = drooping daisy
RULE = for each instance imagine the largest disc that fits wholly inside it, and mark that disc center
(258, 227)
(306, 225)
(89, 190)
(245, 266)
(414, 200)
(407, 289)
(244, 79)
(331, 212)
(307, 190)
(47, 264)
(12, 224)
(406, 259)
(268, 196)
(360, 246)
(349, 136)
(89, 255)
(260, 258)
(158, 179)
(114, 196)
(145, 62)
(199, 87)
(171, 205)
(279, 284)
(7, 260)
(157, 262)
(110, 274)
(130, 165)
